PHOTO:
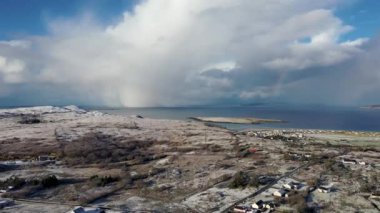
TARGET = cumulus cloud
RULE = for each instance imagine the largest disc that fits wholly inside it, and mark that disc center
(179, 52)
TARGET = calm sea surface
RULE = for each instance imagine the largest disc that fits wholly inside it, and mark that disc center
(336, 118)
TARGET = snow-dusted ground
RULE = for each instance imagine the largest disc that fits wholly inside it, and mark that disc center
(217, 199)
(200, 155)
(40, 110)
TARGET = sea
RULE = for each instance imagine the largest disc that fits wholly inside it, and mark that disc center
(295, 117)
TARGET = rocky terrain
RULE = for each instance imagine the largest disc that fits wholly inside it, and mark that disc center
(53, 159)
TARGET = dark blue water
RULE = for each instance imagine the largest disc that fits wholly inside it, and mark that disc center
(331, 118)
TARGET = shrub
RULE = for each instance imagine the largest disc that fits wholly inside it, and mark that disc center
(34, 182)
(254, 181)
(314, 182)
(103, 181)
(30, 119)
(49, 181)
(370, 185)
(100, 148)
(14, 182)
(296, 197)
(240, 180)
(298, 201)
(106, 180)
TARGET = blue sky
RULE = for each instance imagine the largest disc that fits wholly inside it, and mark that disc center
(189, 52)
(19, 18)
(364, 15)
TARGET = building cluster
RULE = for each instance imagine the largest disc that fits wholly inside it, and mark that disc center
(285, 189)
(80, 209)
(256, 207)
(41, 159)
(283, 135)
(325, 188)
(352, 161)
(300, 156)
(282, 189)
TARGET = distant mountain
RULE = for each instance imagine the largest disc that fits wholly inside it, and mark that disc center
(374, 106)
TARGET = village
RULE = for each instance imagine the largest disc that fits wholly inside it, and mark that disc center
(72, 160)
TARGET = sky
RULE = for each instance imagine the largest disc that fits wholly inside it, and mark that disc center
(142, 53)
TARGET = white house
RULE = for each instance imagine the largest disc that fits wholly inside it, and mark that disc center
(258, 205)
(240, 209)
(263, 205)
(360, 162)
(325, 188)
(281, 193)
(292, 185)
(375, 195)
(80, 209)
(348, 161)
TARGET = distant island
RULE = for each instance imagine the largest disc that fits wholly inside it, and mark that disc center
(374, 106)
(236, 120)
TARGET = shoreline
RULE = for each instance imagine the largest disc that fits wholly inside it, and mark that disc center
(335, 119)
(236, 120)
(249, 123)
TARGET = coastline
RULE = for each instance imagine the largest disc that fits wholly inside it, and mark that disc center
(355, 119)
(178, 164)
(236, 120)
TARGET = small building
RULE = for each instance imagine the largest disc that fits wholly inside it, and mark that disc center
(348, 161)
(375, 195)
(80, 209)
(325, 188)
(281, 193)
(258, 205)
(241, 209)
(269, 205)
(360, 162)
(292, 185)
(44, 158)
(262, 205)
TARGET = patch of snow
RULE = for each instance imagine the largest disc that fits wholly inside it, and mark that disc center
(73, 108)
(216, 198)
(95, 113)
(39, 110)
(163, 162)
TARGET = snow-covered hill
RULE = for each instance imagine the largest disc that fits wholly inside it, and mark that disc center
(40, 110)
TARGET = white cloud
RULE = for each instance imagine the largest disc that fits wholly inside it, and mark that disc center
(177, 52)
(11, 70)
(225, 66)
(17, 43)
(261, 92)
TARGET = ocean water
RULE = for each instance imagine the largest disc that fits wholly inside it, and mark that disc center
(327, 118)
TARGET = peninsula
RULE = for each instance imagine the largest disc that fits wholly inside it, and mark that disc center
(236, 120)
